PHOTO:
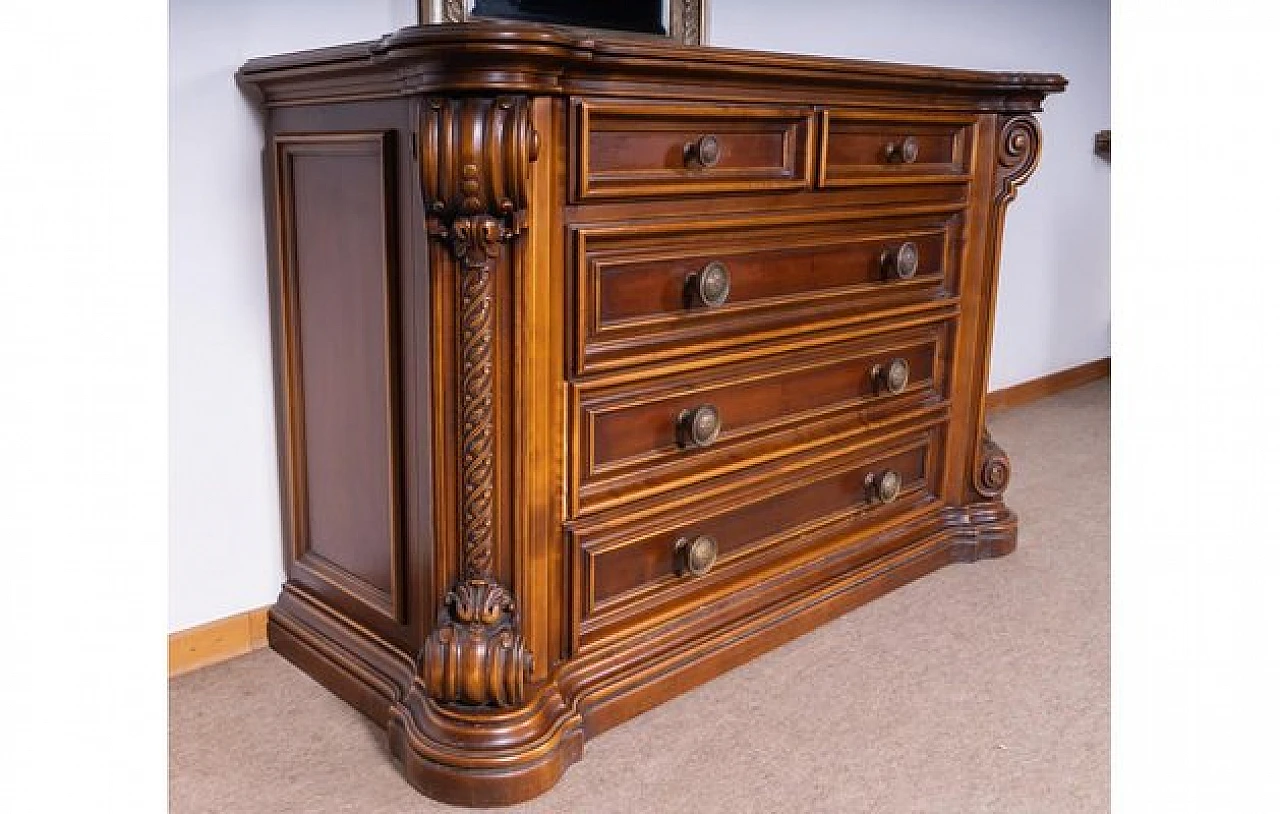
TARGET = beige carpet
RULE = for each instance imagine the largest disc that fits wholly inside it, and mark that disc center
(980, 688)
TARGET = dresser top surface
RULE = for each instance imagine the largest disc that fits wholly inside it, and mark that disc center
(524, 57)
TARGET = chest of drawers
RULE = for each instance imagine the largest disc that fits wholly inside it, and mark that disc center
(604, 366)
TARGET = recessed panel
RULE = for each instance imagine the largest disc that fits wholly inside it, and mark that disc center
(340, 280)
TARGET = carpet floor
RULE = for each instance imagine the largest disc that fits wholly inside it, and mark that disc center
(979, 688)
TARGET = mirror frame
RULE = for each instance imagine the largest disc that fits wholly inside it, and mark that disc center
(687, 20)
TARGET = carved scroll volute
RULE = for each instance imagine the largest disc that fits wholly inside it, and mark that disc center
(475, 156)
(1018, 153)
(994, 469)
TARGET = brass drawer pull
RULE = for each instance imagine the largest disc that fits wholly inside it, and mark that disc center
(697, 555)
(884, 487)
(902, 152)
(699, 427)
(892, 377)
(710, 286)
(703, 153)
(901, 263)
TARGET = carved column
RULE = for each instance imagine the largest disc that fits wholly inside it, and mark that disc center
(475, 156)
(1017, 154)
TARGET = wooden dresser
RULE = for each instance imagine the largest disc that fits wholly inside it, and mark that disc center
(604, 365)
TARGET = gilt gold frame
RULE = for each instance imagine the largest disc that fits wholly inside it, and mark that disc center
(687, 19)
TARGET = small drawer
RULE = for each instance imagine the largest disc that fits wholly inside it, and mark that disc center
(636, 440)
(643, 573)
(871, 148)
(650, 293)
(634, 150)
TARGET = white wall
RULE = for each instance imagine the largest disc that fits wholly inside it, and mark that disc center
(224, 519)
(1054, 305)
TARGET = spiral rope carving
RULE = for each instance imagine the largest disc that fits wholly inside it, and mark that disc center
(475, 423)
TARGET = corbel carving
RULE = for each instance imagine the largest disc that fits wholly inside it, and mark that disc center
(994, 469)
(1017, 155)
(475, 161)
(475, 156)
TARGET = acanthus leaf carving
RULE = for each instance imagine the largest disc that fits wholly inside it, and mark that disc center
(476, 656)
(477, 239)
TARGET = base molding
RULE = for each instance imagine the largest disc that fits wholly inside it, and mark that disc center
(366, 671)
(485, 756)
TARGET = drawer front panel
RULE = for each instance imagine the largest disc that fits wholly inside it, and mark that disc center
(868, 148)
(632, 440)
(639, 575)
(639, 297)
(630, 150)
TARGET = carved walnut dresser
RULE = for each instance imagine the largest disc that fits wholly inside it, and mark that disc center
(604, 365)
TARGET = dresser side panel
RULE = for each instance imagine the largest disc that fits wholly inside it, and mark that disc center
(347, 280)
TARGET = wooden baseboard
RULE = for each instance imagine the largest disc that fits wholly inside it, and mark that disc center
(245, 632)
(1063, 380)
(217, 641)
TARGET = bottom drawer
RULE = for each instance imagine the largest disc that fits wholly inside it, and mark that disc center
(642, 573)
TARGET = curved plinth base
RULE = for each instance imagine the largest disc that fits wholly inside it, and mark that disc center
(982, 530)
(484, 756)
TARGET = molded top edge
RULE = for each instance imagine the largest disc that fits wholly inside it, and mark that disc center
(504, 42)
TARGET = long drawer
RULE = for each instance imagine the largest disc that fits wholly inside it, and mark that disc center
(653, 292)
(637, 439)
(643, 573)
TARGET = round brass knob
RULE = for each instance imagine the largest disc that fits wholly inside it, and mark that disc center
(697, 555)
(699, 427)
(901, 262)
(894, 376)
(885, 486)
(903, 152)
(710, 286)
(704, 153)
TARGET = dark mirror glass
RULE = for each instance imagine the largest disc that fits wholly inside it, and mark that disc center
(644, 16)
